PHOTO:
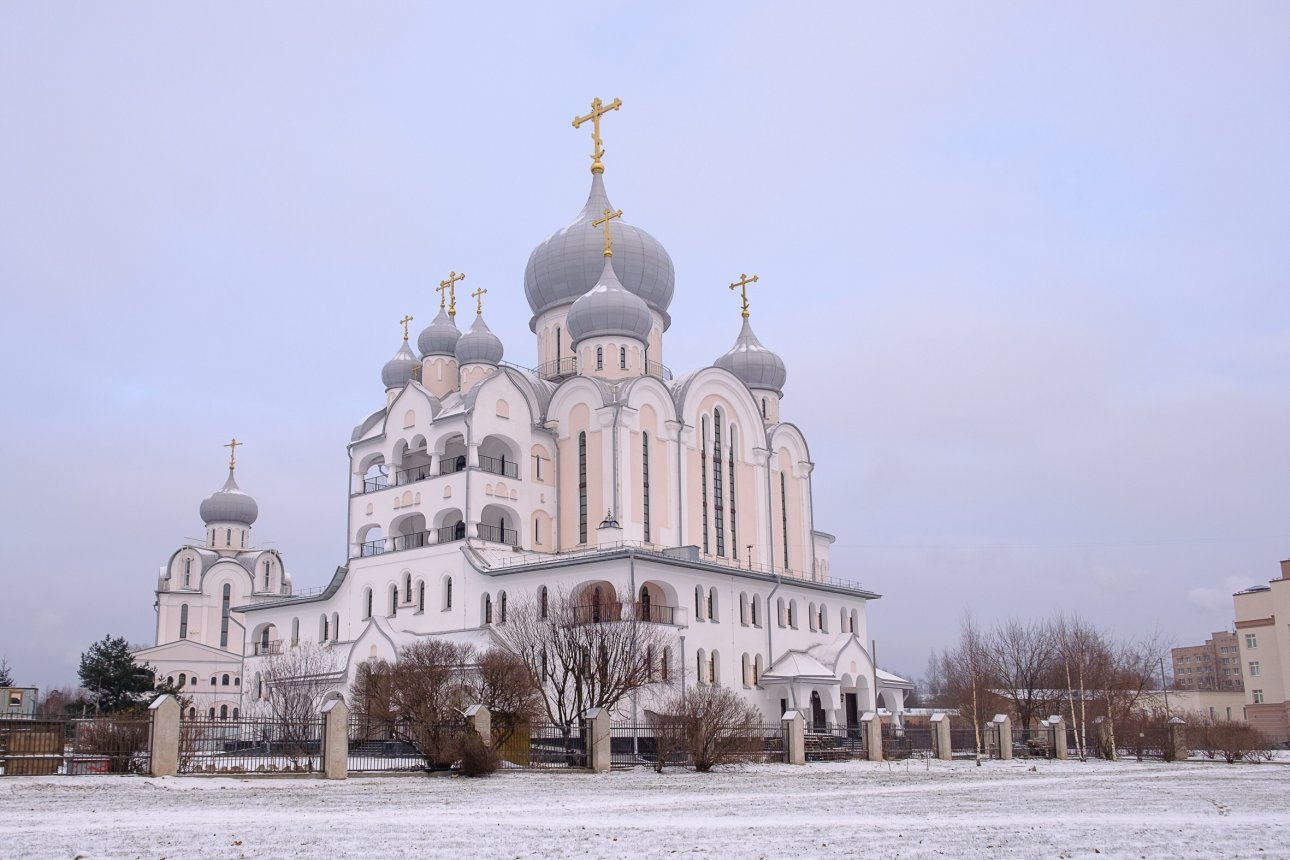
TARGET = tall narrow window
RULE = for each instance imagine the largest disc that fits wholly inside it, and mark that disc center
(223, 616)
(763, 408)
(188, 573)
(501, 608)
(558, 355)
(718, 498)
(734, 537)
(407, 588)
(582, 487)
(488, 609)
(447, 593)
(295, 632)
(367, 600)
(421, 596)
(183, 621)
(542, 603)
(228, 537)
(600, 358)
(645, 481)
(394, 600)
(783, 513)
(703, 479)
(622, 357)
(267, 567)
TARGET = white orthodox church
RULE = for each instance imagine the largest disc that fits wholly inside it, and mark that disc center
(478, 483)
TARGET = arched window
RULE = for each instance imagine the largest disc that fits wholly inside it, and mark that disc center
(237, 680)
(211, 715)
(745, 670)
(501, 608)
(712, 604)
(447, 592)
(756, 679)
(718, 492)
(183, 621)
(421, 595)
(394, 600)
(192, 713)
(783, 512)
(645, 604)
(488, 609)
(335, 626)
(228, 537)
(582, 487)
(170, 679)
(823, 622)
(235, 713)
(558, 356)
(407, 588)
(842, 622)
(600, 358)
(367, 603)
(224, 679)
(543, 604)
(792, 614)
(322, 629)
(183, 679)
(763, 407)
(188, 573)
(214, 680)
(855, 621)
(701, 666)
(622, 357)
(756, 605)
(811, 618)
(645, 481)
(295, 632)
(259, 686)
(664, 667)
(268, 566)
(714, 675)
(225, 608)
(699, 603)
(223, 712)
(779, 610)
(743, 608)
(703, 478)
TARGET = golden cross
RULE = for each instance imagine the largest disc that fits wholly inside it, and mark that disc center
(478, 296)
(598, 109)
(450, 286)
(406, 319)
(232, 452)
(742, 286)
(609, 216)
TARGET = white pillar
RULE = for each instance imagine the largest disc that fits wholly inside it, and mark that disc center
(598, 748)
(794, 737)
(1058, 727)
(941, 736)
(163, 746)
(1002, 724)
(335, 740)
(871, 725)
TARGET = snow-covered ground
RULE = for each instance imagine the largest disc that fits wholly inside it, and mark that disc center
(846, 809)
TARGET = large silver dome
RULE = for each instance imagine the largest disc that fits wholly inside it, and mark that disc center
(229, 505)
(479, 345)
(568, 263)
(440, 337)
(608, 309)
(398, 371)
(755, 365)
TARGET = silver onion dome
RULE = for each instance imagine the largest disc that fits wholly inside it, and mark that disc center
(440, 337)
(568, 263)
(609, 309)
(398, 371)
(229, 504)
(755, 365)
(479, 345)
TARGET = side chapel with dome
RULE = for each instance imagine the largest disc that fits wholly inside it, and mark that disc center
(478, 483)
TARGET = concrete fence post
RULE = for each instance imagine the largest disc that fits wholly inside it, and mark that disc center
(1178, 739)
(941, 736)
(335, 739)
(871, 725)
(479, 718)
(1058, 726)
(1002, 726)
(163, 743)
(599, 751)
(794, 737)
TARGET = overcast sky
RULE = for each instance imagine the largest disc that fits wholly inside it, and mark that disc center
(1028, 269)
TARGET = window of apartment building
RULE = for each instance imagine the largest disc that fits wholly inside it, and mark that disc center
(1251, 640)
(1254, 669)
(1258, 697)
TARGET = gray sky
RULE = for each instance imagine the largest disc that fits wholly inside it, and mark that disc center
(1045, 250)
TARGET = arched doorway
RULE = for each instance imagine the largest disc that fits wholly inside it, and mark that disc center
(818, 720)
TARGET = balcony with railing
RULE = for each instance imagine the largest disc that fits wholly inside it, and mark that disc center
(497, 534)
(655, 613)
(499, 466)
(263, 649)
(558, 369)
(415, 540)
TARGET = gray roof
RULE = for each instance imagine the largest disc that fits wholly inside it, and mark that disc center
(568, 263)
(229, 504)
(608, 309)
(440, 337)
(479, 345)
(755, 365)
(398, 370)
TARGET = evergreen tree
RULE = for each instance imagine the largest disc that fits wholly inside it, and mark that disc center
(6, 675)
(112, 677)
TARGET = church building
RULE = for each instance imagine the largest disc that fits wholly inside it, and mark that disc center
(598, 474)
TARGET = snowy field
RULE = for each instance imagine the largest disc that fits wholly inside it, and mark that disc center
(847, 809)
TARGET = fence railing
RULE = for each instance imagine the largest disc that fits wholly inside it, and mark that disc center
(497, 534)
(545, 746)
(64, 745)
(643, 744)
(250, 745)
(499, 466)
(831, 742)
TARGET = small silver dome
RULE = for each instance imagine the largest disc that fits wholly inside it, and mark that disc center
(479, 345)
(608, 310)
(398, 370)
(229, 504)
(755, 365)
(440, 337)
(568, 263)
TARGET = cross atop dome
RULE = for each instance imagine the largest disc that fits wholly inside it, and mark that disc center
(742, 286)
(609, 216)
(450, 287)
(232, 452)
(598, 109)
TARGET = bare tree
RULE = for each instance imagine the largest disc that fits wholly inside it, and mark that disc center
(502, 684)
(290, 689)
(960, 677)
(1020, 659)
(712, 723)
(584, 654)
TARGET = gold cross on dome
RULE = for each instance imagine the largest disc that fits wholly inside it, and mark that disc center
(742, 286)
(450, 286)
(609, 216)
(232, 452)
(406, 319)
(478, 296)
(598, 109)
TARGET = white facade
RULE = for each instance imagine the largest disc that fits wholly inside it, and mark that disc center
(477, 483)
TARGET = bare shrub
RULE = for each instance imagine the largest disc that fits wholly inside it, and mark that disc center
(713, 724)
(502, 684)
(122, 739)
(477, 758)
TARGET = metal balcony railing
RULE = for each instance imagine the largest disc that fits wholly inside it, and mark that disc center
(273, 646)
(655, 614)
(597, 613)
(497, 534)
(372, 547)
(499, 466)
(450, 465)
(558, 369)
(448, 534)
(412, 541)
(662, 371)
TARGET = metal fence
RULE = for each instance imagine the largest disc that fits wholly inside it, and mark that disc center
(908, 742)
(963, 743)
(250, 745)
(831, 742)
(643, 744)
(78, 746)
(545, 745)
(381, 747)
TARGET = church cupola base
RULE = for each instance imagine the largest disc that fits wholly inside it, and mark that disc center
(227, 537)
(439, 374)
(611, 358)
(768, 404)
